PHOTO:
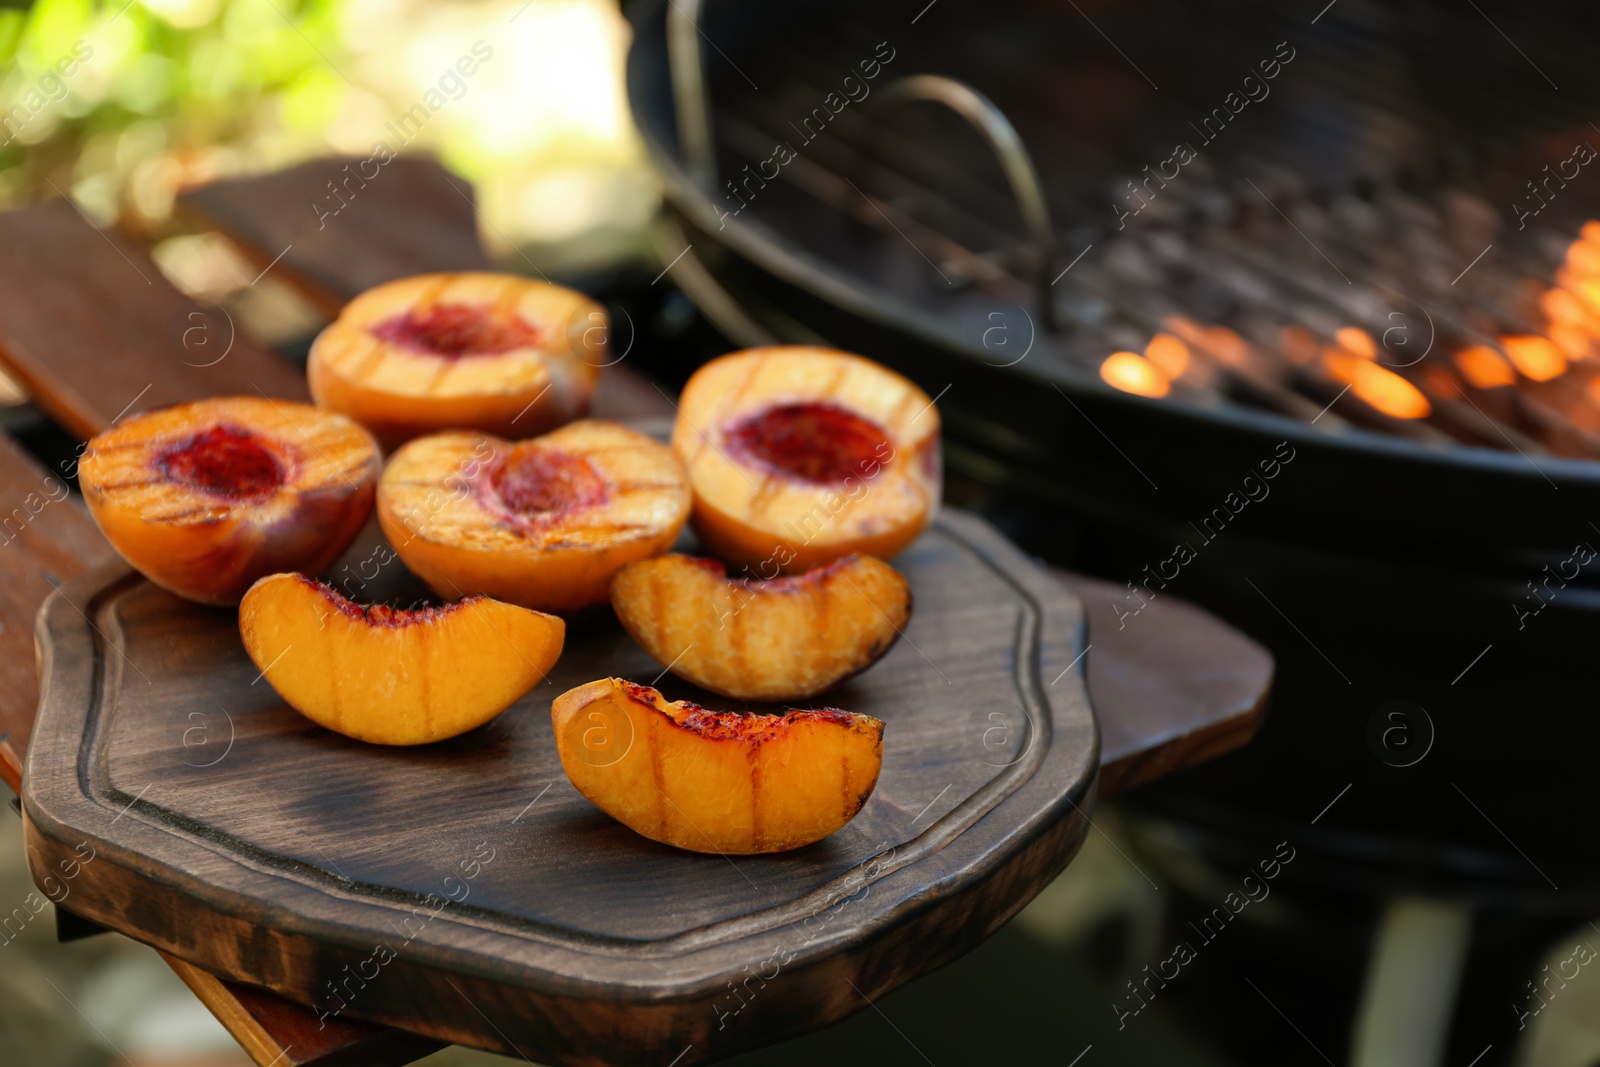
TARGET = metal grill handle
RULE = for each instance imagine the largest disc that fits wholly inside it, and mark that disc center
(993, 126)
(689, 100)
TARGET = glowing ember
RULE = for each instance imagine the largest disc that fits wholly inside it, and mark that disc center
(1169, 354)
(1584, 258)
(1572, 340)
(1536, 357)
(1484, 367)
(1227, 346)
(1559, 306)
(1587, 292)
(1356, 341)
(1382, 389)
(1132, 373)
(1299, 344)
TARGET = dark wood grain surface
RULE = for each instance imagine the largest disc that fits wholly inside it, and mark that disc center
(234, 834)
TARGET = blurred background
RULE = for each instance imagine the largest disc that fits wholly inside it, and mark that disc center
(186, 91)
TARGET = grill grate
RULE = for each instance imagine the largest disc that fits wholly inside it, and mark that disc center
(1317, 259)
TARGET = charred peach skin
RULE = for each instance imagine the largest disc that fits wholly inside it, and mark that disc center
(715, 781)
(542, 523)
(205, 498)
(800, 455)
(394, 677)
(492, 352)
(780, 639)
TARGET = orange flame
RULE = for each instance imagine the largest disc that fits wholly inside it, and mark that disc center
(1132, 373)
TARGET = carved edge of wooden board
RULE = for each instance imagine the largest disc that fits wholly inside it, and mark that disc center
(979, 879)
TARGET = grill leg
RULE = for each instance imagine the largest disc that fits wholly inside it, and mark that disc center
(1409, 994)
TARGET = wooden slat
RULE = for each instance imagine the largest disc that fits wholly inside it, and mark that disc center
(92, 330)
(412, 217)
(45, 539)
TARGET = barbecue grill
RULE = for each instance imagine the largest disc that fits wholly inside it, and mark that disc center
(1369, 274)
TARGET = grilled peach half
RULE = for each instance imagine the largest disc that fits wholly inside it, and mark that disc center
(205, 498)
(800, 455)
(715, 781)
(394, 677)
(778, 639)
(492, 352)
(543, 523)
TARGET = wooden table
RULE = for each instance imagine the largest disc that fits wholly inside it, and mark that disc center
(67, 282)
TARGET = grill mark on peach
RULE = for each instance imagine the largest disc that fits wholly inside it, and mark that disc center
(574, 534)
(217, 511)
(839, 375)
(657, 774)
(423, 669)
(643, 487)
(375, 355)
(757, 831)
(907, 398)
(844, 784)
(737, 396)
(729, 403)
(115, 487)
(765, 493)
(506, 305)
(430, 296)
(330, 659)
(738, 633)
(445, 368)
(656, 614)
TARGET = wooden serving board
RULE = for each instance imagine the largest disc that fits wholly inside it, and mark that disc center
(466, 891)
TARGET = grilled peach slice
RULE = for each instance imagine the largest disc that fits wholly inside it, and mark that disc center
(394, 677)
(715, 781)
(205, 498)
(799, 455)
(542, 523)
(492, 352)
(779, 639)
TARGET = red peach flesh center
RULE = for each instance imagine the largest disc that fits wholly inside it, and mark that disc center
(546, 483)
(225, 460)
(452, 331)
(819, 443)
